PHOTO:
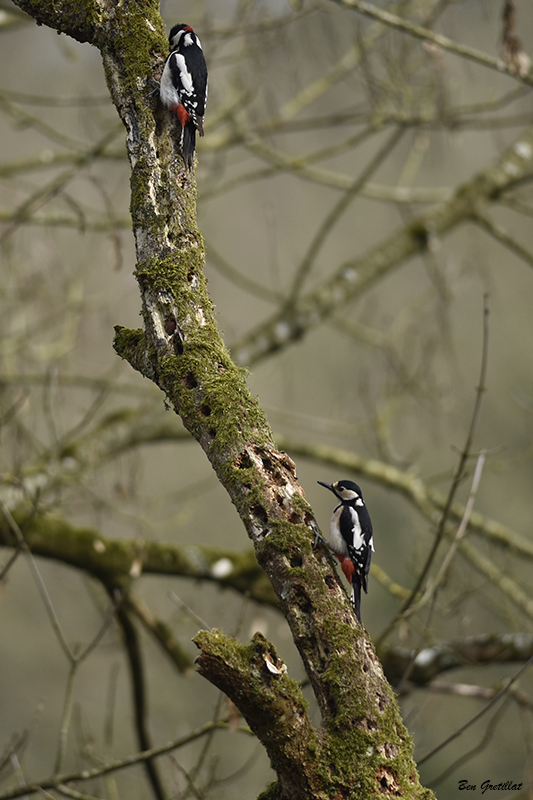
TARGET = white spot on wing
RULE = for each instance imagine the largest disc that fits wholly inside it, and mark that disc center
(185, 75)
(356, 529)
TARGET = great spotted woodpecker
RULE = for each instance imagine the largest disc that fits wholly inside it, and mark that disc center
(350, 537)
(184, 86)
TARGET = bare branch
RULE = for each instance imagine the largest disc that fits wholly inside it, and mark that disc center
(443, 42)
(505, 238)
(509, 683)
(429, 501)
(474, 650)
(354, 277)
(337, 211)
(161, 632)
(461, 531)
(20, 540)
(115, 561)
(458, 473)
(116, 765)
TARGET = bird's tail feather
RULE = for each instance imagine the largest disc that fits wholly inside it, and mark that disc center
(356, 599)
(188, 143)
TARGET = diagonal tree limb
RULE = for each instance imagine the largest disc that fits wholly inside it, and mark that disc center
(428, 500)
(506, 239)
(336, 213)
(115, 562)
(256, 680)
(445, 656)
(117, 764)
(354, 277)
(419, 32)
(458, 472)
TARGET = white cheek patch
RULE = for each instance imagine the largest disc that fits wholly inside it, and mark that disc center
(348, 494)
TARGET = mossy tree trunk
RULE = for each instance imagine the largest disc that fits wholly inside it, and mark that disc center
(362, 748)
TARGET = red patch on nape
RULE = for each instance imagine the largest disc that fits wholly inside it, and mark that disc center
(348, 568)
(188, 28)
(182, 114)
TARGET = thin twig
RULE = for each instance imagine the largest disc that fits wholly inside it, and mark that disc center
(161, 633)
(7, 566)
(423, 497)
(77, 660)
(195, 770)
(25, 120)
(356, 276)
(56, 184)
(437, 39)
(238, 278)
(457, 478)
(482, 692)
(67, 791)
(501, 235)
(336, 212)
(466, 757)
(461, 531)
(65, 719)
(111, 697)
(479, 714)
(138, 758)
(192, 614)
(39, 581)
(187, 776)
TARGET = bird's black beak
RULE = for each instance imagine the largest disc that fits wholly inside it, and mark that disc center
(328, 486)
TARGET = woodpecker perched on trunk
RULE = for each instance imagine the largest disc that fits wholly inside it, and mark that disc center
(184, 86)
(351, 537)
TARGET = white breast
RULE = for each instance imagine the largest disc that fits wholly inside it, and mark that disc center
(167, 91)
(336, 542)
